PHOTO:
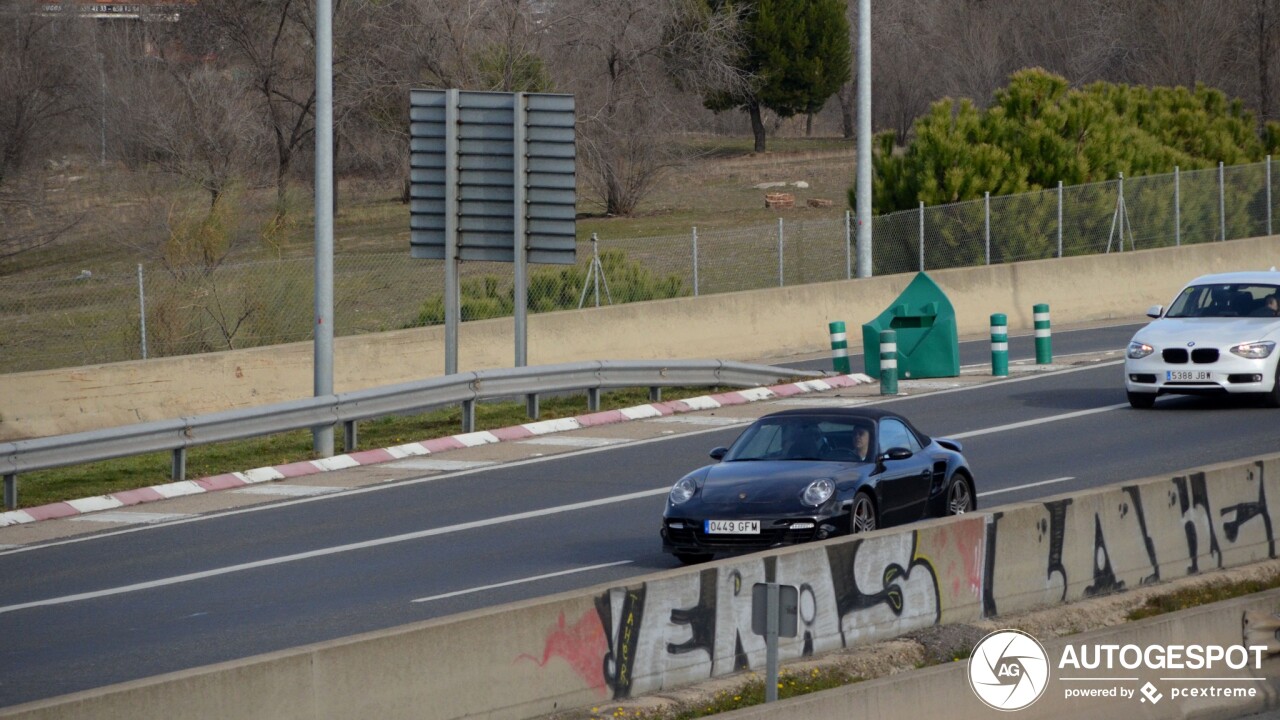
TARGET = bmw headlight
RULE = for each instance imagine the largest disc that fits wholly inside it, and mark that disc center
(1254, 350)
(818, 492)
(1139, 350)
(683, 490)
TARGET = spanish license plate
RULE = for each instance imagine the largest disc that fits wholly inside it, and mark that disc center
(731, 527)
(1186, 375)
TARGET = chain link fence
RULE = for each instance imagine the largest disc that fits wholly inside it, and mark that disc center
(163, 311)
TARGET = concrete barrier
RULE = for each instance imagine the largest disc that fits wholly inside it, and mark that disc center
(734, 326)
(685, 626)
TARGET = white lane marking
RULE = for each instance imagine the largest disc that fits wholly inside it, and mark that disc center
(1024, 487)
(704, 420)
(573, 441)
(289, 490)
(440, 465)
(518, 463)
(130, 517)
(322, 552)
(1038, 421)
(521, 581)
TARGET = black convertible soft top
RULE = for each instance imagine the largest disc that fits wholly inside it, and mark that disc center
(868, 413)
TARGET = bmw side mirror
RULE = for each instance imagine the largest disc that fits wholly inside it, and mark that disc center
(1155, 311)
(719, 453)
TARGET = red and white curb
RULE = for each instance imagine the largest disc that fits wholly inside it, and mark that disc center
(427, 447)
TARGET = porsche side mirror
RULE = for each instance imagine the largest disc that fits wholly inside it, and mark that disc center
(719, 453)
(1155, 311)
(897, 453)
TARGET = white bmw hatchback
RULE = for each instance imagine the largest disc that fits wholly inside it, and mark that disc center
(1218, 336)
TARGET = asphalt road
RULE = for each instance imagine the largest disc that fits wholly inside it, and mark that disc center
(122, 605)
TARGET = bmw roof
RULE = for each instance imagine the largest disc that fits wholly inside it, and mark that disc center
(1247, 277)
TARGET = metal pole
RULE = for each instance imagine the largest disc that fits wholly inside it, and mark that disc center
(1059, 218)
(695, 261)
(839, 347)
(599, 269)
(142, 312)
(781, 282)
(771, 605)
(921, 236)
(519, 183)
(11, 491)
(1177, 207)
(102, 127)
(1121, 211)
(986, 212)
(848, 247)
(322, 437)
(1222, 204)
(1268, 194)
(999, 345)
(888, 362)
(452, 310)
(864, 139)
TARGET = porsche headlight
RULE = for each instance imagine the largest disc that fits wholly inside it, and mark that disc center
(1254, 350)
(818, 492)
(1139, 350)
(683, 490)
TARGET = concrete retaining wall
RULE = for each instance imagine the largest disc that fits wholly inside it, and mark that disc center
(685, 626)
(733, 326)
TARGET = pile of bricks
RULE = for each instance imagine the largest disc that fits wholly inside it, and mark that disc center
(779, 200)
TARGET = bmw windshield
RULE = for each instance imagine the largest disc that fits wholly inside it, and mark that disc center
(1219, 301)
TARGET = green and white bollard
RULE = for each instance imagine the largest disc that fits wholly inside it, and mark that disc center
(839, 347)
(999, 345)
(888, 362)
(1044, 341)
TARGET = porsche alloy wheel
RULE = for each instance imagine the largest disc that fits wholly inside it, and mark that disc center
(960, 496)
(862, 516)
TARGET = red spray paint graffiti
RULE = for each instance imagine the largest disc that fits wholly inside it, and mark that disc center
(583, 646)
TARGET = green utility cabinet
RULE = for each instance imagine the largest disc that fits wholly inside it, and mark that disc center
(928, 341)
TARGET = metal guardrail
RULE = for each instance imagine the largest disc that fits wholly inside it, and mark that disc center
(176, 435)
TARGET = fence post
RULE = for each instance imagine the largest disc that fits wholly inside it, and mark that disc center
(986, 211)
(781, 283)
(999, 345)
(921, 236)
(848, 247)
(1222, 204)
(1044, 340)
(1177, 207)
(1059, 218)
(695, 261)
(11, 491)
(1268, 194)
(888, 362)
(142, 312)
(839, 347)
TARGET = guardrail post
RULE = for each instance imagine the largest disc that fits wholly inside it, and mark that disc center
(888, 362)
(531, 406)
(839, 347)
(1044, 340)
(655, 394)
(11, 492)
(468, 416)
(349, 436)
(999, 345)
(593, 399)
(179, 471)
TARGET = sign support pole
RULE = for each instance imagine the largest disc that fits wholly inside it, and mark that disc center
(520, 186)
(452, 309)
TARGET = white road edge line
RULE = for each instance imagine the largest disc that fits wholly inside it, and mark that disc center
(521, 581)
(1037, 421)
(1024, 487)
(335, 550)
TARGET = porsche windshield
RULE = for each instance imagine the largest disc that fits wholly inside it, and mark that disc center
(805, 438)
(1218, 301)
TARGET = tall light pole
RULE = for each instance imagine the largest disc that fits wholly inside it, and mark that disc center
(863, 199)
(322, 437)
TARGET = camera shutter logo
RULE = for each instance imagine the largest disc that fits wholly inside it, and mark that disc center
(1008, 670)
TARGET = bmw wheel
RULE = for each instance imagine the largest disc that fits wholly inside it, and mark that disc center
(1272, 399)
(862, 516)
(1141, 400)
(960, 496)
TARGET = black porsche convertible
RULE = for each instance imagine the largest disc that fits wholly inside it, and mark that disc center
(802, 475)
